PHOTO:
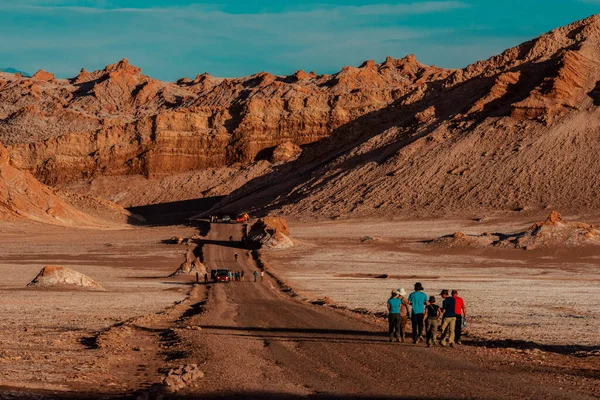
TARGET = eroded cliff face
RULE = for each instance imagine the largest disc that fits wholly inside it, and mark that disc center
(118, 121)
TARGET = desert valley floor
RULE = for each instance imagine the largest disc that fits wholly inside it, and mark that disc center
(531, 314)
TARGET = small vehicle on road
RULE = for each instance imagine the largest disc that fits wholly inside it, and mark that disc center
(242, 217)
(226, 219)
(222, 275)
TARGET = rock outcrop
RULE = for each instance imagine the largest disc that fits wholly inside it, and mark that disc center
(554, 232)
(460, 239)
(42, 75)
(190, 266)
(270, 232)
(286, 152)
(55, 276)
(182, 377)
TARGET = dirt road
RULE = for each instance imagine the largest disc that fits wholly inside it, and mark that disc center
(260, 343)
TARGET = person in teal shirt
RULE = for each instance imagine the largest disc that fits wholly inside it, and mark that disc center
(418, 300)
(394, 319)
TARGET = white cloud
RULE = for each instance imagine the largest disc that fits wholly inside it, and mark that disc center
(414, 8)
(100, 6)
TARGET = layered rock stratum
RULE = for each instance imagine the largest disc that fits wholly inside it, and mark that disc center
(518, 130)
(118, 121)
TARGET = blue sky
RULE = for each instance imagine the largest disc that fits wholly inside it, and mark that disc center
(170, 39)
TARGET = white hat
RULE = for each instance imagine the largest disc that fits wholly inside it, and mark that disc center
(402, 292)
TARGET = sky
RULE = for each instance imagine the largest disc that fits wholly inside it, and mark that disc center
(170, 39)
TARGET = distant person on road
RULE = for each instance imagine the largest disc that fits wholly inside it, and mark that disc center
(231, 238)
(461, 316)
(418, 300)
(262, 275)
(432, 316)
(393, 305)
(242, 275)
(404, 312)
(255, 274)
(449, 312)
(235, 256)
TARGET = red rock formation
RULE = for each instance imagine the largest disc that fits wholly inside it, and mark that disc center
(22, 197)
(118, 121)
(43, 76)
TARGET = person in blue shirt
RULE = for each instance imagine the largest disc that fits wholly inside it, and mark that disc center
(393, 306)
(418, 300)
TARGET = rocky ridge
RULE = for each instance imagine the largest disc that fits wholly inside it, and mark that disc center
(118, 121)
(518, 131)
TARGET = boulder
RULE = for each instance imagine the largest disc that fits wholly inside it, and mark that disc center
(52, 275)
(182, 377)
(286, 152)
(270, 232)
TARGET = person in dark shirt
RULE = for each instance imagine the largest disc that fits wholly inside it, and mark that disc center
(432, 315)
(449, 313)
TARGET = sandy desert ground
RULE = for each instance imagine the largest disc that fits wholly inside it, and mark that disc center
(545, 296)
(125, 339)
(41, 330)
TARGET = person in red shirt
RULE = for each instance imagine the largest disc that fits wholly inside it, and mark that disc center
(461, 315)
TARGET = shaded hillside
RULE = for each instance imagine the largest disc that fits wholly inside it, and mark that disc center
(23, 198)
(518, 130)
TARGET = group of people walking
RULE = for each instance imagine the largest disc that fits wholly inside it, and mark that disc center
(426, 315)
(236, 276)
